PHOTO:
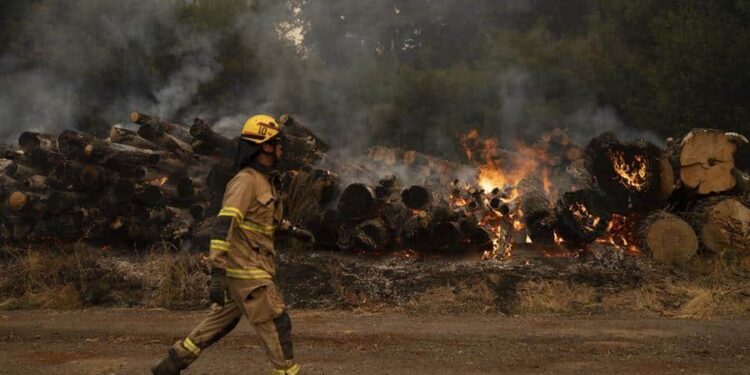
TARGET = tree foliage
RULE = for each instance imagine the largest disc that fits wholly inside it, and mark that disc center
(404, 72)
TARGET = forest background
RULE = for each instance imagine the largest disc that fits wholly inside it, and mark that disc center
(411, 73)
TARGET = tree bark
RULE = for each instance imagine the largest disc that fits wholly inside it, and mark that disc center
(130, 138)
(179, 131)
(722, 223)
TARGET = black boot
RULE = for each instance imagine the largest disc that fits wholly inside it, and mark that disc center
(170, 365)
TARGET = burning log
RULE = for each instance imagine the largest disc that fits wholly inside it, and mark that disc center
(582, 216)
(722, 223)
(179, 131)
(357, 202)
(668, 238)
(634, 175)
(416, 197)
(211, 141)
(127, 137)
(705, 158)
(539, 216)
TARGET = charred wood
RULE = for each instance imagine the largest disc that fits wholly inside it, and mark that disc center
(582, 216)
(128, 137)
(357, 202)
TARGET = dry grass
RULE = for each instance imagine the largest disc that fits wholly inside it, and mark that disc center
(466, 297)
(301, 204)
(554, 296)
(179, 277)
(38, 278)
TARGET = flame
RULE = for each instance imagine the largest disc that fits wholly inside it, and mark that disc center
(460, 201)
(589, 221)
(631, 175)
(161, 181)
(622, 233)
(528, 239)
(559, 241)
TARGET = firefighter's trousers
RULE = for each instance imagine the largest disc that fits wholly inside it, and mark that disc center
(259, 301)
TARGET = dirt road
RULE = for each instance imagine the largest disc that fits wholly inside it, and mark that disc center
(113, 341)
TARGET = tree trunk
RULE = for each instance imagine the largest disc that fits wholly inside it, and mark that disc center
(80, 146)
(130, 138)
(212, 142)
(36, 183)
(74, 176)
(705, 158)
(179, 131)
(667, 238)
(416, 197)
(371, 235)
(18, 172)
(722, 223)
(357, 202)
(32, 141)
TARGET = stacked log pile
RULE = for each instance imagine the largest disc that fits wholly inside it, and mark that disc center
(668, 203)
(376, 218)
(695, 178)
(155, 183)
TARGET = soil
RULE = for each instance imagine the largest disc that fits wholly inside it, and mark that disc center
(128, 341)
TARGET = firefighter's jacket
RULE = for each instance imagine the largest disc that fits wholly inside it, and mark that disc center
(247, 252)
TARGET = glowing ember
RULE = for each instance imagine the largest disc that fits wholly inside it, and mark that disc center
(622, 232)
(558, 239)
(460, 202)
(161, 181)
(589, 221)
(631, 175)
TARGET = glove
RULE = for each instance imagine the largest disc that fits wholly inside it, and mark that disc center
(217, 290)
(303, 235)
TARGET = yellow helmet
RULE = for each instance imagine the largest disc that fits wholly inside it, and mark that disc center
(260, 128)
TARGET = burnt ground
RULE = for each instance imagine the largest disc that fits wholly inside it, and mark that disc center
(128, 341)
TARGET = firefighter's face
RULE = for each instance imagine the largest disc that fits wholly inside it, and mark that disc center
(274, 149)
(278, 150)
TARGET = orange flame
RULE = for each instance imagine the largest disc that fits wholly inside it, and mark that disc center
(622, 233)
(632, 175)
(589, 221)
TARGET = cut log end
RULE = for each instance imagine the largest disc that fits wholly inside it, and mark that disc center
(706, 160)
(668, 238)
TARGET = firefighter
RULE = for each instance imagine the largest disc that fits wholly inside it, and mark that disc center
(242, 257)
